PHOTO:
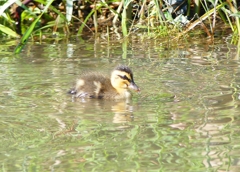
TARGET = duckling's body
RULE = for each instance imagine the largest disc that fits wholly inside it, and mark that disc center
(94, 85)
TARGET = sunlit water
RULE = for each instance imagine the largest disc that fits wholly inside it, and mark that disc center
(186, 117)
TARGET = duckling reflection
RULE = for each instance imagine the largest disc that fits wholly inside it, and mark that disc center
(94, 85)
(122, 110)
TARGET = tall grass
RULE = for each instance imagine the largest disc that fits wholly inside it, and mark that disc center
(152, 16)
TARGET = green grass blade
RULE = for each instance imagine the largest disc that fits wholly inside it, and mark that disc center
(84, 23)
(8, 31)
(29, 31)
(159, 12)
(125, 17)
(124, 22)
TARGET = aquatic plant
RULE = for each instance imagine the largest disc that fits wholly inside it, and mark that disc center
(156, 17)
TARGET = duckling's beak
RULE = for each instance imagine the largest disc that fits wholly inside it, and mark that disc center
(133, 86)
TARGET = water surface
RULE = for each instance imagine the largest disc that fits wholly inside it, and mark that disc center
(185, 119)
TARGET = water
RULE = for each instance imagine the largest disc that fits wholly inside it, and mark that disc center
(186, 117)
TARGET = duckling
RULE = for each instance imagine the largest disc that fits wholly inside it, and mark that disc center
(93, 85)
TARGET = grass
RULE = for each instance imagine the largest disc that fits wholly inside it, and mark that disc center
(126, 17)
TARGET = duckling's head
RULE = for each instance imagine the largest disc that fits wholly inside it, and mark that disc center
(122, 79)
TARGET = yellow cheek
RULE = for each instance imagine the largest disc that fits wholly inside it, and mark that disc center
(125, 84)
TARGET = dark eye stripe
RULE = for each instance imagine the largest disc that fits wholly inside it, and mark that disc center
(125, 78)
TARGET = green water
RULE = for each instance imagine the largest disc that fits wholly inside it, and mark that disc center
(186, 117)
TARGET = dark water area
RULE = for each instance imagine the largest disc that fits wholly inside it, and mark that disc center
(186, 117)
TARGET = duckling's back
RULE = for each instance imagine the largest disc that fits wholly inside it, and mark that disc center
(94, 85)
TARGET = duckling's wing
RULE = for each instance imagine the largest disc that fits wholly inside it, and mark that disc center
(92, 86)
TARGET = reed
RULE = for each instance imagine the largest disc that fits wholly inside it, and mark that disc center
(126, 16)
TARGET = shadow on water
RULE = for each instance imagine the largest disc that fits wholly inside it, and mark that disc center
(185, 119)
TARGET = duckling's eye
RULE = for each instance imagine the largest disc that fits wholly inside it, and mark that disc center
(124, 77)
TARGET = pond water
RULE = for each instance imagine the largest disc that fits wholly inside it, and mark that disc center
(186, 117)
